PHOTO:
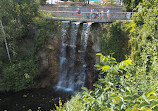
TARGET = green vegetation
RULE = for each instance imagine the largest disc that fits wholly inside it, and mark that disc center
(131, 4)
(118, 88)
(26, 33)
(127, 85)
(43, 2)
(115, 40)
(17, 17)
(130, 85)
(143, 41)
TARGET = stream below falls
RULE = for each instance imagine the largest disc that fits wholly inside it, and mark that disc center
(34, 99)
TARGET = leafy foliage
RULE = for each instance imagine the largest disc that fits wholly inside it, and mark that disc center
(115, 40)
(116, 90)
(17, 17)
(18, 76)
(26, 32)
(143, 40)
(131, 4)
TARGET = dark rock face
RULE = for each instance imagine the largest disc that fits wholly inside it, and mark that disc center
(49, 60)
(48, 71)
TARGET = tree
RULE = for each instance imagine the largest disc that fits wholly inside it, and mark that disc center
(43, 2)
(5, 40)
(131, 4)
(143, 40)
(16, 18)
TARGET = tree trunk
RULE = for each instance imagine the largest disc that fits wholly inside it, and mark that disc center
(5, 40)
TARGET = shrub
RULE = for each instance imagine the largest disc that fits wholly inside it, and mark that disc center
(115, 40)
(18, 76)
(117, 89)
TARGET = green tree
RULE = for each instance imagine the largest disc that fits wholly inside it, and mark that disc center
(17, 17)
(116, 89)
(143, 40)
(131, 4)
(43, 2)
(115, 40)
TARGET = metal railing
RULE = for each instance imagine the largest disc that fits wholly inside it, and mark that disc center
(89, 16)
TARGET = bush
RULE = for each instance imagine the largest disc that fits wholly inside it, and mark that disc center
(117, 89)
(19, 76)
(26, 32)
(143, 41)
(115, 40)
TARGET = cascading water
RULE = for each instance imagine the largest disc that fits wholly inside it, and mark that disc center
(66, 79)
(74, 31)
(63, 60)
(82, 75)
(85, 34)
(69, 79)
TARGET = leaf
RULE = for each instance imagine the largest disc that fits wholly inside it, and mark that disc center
(116, 66)
(105, 68)
(99, 54)
(122, 105)
(84, 88)
(97, 66)
(117, 98)
(107, 88)
(150, 93)
(152, 98)
(144, 97)
(113, 59)
(121, 66)
(126, 62)
(110, 83)
(27, 76)
(128, 89)
(154, 104)
(24, 96)
(148, 110)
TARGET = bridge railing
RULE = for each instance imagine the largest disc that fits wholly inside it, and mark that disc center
(90, 16)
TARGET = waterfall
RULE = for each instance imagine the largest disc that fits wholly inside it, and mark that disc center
(85, 34)
(63, 60)
(84, 39)
(69, 79)
(66, 72)
(74, 30)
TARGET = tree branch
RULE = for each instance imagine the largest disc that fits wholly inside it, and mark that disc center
(5, 40)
